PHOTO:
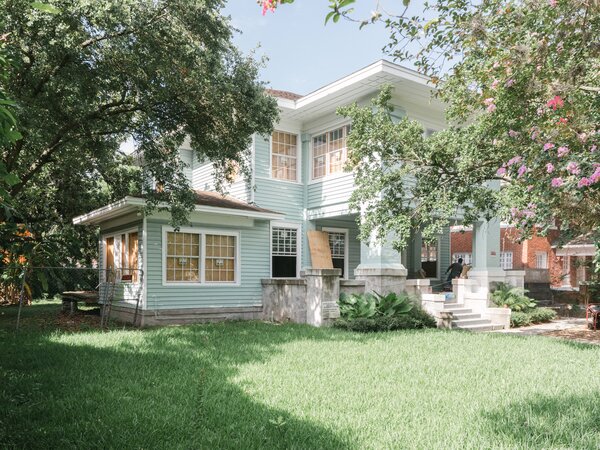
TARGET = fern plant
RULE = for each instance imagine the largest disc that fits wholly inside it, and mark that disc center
(366, 306)
(511, 297)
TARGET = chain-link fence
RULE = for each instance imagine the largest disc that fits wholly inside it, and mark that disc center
(73, 285)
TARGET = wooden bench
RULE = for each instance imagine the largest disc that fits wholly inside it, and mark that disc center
(71, 298)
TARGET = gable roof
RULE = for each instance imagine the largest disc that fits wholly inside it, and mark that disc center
(283, 94)
(209, 202)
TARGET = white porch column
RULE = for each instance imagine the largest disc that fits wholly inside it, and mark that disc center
(486, 253)
(381, 268)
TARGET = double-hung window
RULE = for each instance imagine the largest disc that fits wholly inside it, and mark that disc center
(284, 156)
(284, 252)
(329, 152)
(338, 244)
(429, 256)
(466, 257)
(541, 260)
(200, 257)
(506, 260)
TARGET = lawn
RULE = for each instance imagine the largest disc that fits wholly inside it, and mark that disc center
(260, 385)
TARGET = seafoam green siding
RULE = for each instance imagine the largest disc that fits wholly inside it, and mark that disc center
(254, 259)
(202, 178)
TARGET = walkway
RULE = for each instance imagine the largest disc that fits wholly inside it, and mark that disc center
(572, 329)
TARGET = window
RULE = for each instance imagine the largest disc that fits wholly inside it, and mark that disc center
(220, 259)
(198, 257)
(284, 156)
(429, 259)
(541, 260)
(466, 257)
(122, 255)
(338, 240)
(506, 260)
(329, 152)
(284, 252)
(183, 257)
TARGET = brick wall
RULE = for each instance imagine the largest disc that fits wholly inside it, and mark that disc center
(524, 254)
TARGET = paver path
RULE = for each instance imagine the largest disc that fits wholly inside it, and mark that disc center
(573, 329)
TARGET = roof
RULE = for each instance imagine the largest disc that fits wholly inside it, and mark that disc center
(207, 202)
(284, 94)
(413, 87)
(214, 199)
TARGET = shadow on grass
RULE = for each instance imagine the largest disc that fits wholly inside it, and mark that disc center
(160, 388)
(548, 422)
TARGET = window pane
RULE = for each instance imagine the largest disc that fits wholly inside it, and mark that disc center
(283, 156)
(183, 257)
(220, 258)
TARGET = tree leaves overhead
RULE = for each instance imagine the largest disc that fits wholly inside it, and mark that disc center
(92, 74)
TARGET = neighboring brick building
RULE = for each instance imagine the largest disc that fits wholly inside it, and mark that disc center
(565, 267)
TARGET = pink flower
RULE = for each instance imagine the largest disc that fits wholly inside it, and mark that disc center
(555, 103)
(509, 82)
(495, 84)
(573, 168)
(522, 170)
(562, 121)
(557, 182)
(562, 151)
(501, 171)
(534, 133)
(268, 5)
(593, 149)
(583, 182)
(549, 167)
(491, 108)
(488, 101)
(595, 176)
(552, 3)
(548, 146)
(530, 188)
(515, 160)
(513, 133)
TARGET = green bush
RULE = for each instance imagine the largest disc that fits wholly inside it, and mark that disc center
(367, 306)
(540, 315)
(417, 318)
(535, 315)
(504, 295)
(519, 319)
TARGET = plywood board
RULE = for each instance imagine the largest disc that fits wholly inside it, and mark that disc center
(320, 253)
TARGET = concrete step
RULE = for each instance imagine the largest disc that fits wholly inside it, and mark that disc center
(464, 316)
(480, 327)
(461, 323)
(459, 311)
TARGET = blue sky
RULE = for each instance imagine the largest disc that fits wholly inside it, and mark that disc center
(303, 53)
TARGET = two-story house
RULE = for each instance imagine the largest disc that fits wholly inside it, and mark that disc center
(213, 268)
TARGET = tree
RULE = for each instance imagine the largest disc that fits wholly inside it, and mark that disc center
(87, 75)
(521, 84)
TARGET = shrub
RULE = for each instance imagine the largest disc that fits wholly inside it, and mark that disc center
(416, 318)
(512, 297)
(519, 319)
(367, 306)
(536, 315)
(540, 315)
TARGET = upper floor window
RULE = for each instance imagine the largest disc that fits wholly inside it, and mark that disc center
(284, 156)
(541, 260)
(329, 152)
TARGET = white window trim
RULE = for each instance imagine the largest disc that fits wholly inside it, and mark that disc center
(346, 246)
(298, 156)
(298, 228)
(462, 255)
(202, 265)
(566, 275)
(117, 238)
(327, 176)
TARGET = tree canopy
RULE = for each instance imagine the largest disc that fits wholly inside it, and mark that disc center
(521, 85)
(87, 75)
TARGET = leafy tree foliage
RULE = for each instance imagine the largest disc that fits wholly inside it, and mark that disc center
(89, 74)
(521, 85)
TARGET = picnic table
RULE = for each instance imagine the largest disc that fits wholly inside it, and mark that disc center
(71, 298)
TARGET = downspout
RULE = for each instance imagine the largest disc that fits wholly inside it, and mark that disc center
(253, 170)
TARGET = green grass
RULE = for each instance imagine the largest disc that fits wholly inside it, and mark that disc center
(258, 385)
